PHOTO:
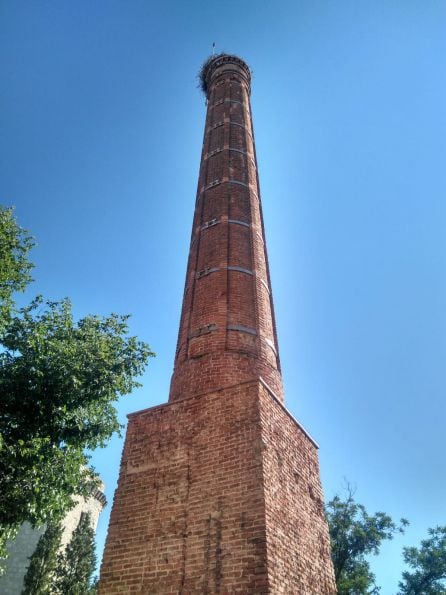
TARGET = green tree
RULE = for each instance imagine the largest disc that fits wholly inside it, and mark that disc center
(428, 562)
(354, 535)
(39, 577)
(15, 243)
(77, 564)
(59, 382)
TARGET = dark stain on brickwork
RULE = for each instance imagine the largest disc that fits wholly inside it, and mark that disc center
(184, 532)
(213, 553)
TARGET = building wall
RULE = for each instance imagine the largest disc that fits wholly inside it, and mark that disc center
(93, 506)
(22, 548)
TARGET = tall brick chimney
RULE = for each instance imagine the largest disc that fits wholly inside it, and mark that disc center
(227, 330)
(219, 488)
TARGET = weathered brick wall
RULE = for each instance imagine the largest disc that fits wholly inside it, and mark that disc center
(298, 543)
(188, 515)
(218, 493)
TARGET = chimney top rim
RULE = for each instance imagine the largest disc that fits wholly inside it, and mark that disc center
(216, 61)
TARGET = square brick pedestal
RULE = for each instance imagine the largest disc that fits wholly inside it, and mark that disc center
(218, 493)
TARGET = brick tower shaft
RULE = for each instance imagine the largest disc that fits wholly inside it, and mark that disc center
(227, 330)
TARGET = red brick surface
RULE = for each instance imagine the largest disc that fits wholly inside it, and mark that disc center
(218, 493)
(227, 330)
(298, 544)
(188, 515)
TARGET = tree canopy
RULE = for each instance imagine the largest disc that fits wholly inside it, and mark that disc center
(428, 564)
(15, 267)
(354, 535)
(59, 383)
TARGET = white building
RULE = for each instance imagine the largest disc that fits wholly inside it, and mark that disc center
(22, 548)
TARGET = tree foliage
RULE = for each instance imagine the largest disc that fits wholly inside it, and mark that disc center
(428, 564)
(77, 564)
(354, 535)
(15, 243)
(59, 382)
(39, 578)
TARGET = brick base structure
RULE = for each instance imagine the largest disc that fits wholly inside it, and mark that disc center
(218, 493)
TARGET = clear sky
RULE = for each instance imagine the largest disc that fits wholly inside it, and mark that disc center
(101, 131)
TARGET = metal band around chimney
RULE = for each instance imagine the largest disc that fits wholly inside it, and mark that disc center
(205, 272)
(203, 330)
(212, 184)
(210, 223)
(270, 344)
(238, 151)
(265, 284)
(259, 235)
(232, 123)
(221, 149)
(241, 329)
(214, 152)
(240, 270)
(239, 182)
(209, 270)
(226, 100)
(223, 181)
(239, 222)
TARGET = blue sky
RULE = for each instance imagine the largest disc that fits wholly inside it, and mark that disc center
(101, 134)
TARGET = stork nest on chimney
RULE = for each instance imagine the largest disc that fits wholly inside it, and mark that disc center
(202, 75)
